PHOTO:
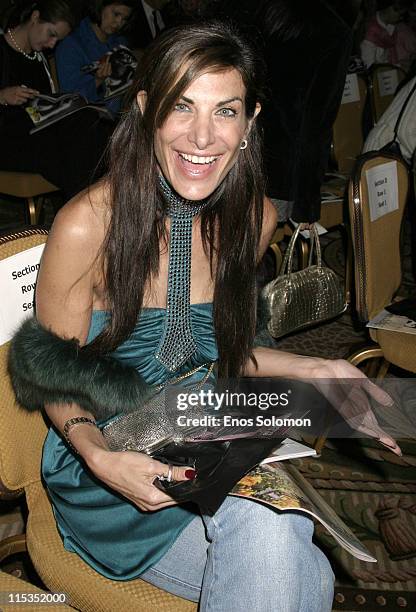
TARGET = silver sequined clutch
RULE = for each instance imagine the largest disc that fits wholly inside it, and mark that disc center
(296, 300)
(154, 424)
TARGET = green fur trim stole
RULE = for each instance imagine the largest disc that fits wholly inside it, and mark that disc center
(46, 369)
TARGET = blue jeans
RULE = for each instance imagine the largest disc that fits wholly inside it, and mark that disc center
(250, 557)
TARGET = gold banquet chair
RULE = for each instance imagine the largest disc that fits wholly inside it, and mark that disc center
(383, 82)
(377, 268)
(347, 131)
(21, 440)
(377, 263)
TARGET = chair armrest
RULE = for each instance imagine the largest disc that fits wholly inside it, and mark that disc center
(21, 436)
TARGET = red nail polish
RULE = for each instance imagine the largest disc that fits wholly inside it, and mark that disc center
(190, 474)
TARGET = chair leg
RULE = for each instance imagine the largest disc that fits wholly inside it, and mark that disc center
(12, 545)
(32, 210)
(349, 264)
(369, 352)
(277, 256)
(384, 367)
(372, 366)
(38, 208)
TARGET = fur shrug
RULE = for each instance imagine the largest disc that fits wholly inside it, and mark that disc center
(46, 369)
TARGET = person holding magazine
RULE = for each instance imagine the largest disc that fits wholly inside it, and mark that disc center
(84, 59)
(159, 284)
(58, 152)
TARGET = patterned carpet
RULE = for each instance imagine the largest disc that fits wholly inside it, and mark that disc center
(374, 492)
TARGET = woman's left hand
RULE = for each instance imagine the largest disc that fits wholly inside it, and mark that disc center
(103, 71)
(352, 400)
(17, 95)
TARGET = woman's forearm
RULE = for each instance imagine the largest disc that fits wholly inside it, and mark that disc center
(275, 363)
(84, 437)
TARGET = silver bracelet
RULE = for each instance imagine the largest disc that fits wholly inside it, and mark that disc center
(70, 423)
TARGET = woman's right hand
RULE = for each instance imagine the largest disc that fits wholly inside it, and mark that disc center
(132, 474)
(103, 71)
(17, 95)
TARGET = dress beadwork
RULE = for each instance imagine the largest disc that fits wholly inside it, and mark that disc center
(177, 344)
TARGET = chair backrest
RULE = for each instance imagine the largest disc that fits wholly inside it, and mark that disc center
(24, 184)
(347, 132)
(377, 198)
(21, 433)
(384, 80)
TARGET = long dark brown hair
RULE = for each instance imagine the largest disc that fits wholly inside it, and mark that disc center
(230, 224)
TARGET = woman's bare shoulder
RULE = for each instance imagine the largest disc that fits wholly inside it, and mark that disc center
(83, 221)
(70, 275)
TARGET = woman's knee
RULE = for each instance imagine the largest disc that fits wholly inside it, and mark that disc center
(271, 535)
(277, 545)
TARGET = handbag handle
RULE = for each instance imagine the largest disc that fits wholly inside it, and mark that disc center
(288, 258)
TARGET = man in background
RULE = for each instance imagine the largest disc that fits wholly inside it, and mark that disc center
(148, 21)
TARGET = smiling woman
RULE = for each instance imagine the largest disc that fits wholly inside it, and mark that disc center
(199, 142)
(157, 284)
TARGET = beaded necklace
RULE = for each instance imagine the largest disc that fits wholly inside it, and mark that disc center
(177, 344)
(35, 55)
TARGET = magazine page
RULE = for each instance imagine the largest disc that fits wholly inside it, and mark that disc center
(393, 322)
(283, 487)
(45, 110)
(289, 449)
(44, 107)
(123, 66)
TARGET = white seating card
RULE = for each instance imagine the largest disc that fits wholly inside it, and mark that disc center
(18, 275)
(351, 90)
(383, 191)
(388, 81)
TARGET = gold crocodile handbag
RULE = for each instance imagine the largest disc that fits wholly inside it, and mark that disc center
(296, 300)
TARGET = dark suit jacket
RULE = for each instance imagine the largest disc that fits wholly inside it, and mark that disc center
(306, 78)
(139, 34)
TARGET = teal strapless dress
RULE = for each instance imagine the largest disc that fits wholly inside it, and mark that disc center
(108, 532)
